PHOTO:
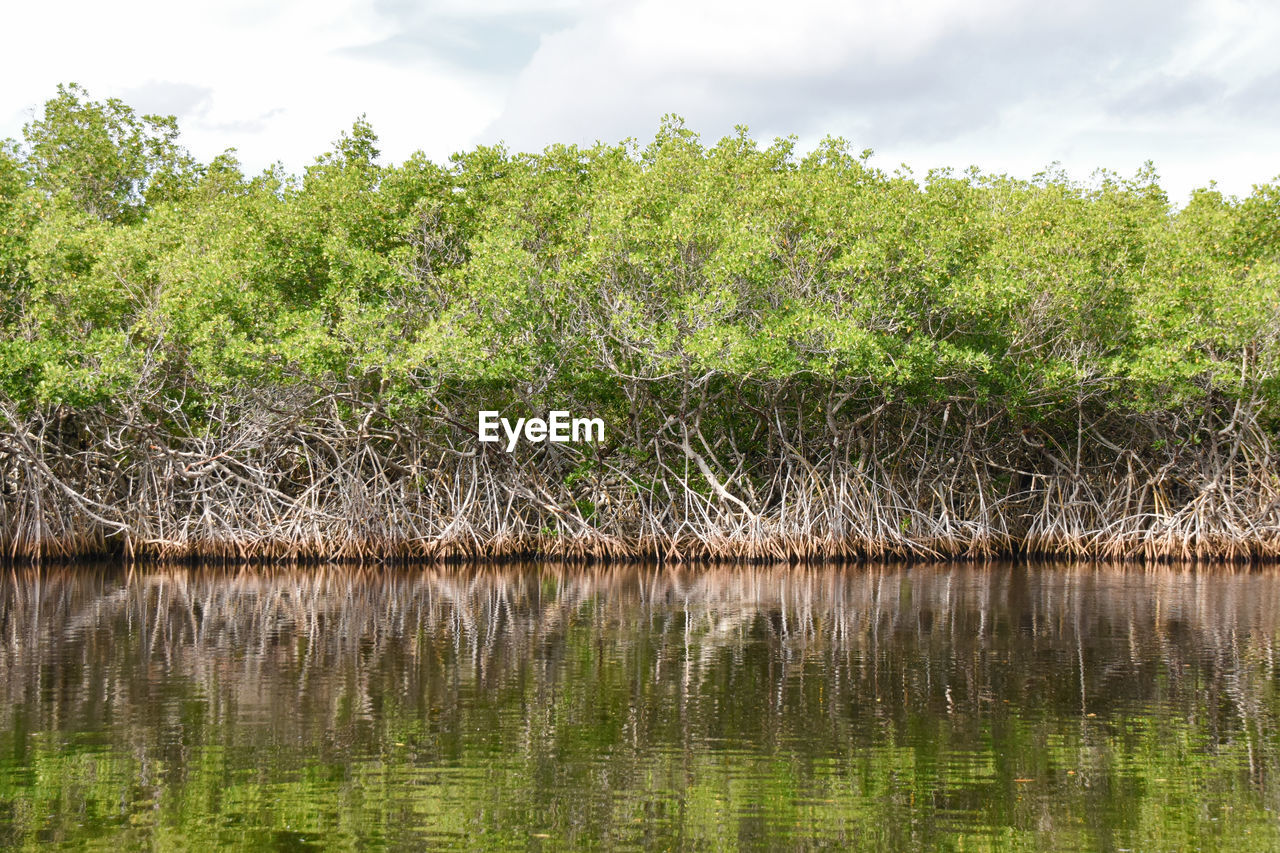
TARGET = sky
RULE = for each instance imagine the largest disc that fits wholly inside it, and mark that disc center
(1008, 86)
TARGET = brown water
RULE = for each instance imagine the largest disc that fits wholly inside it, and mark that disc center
(956, 708)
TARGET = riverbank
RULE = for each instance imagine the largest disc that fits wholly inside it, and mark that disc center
(796, 357)
(914, 482)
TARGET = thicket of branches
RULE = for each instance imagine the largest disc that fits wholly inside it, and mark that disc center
(796, 356)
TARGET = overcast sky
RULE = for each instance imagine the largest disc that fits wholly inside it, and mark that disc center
(1006, 85)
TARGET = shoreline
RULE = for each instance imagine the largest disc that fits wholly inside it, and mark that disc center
(584, 551)
(279, 487)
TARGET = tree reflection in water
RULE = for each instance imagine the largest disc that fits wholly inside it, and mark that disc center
(1066, 706)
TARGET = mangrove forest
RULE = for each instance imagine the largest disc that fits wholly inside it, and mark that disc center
(797, 354)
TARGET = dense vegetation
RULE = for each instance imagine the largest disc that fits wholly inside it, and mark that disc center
(796, 356)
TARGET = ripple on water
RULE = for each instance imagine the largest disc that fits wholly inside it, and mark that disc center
(1068, 708)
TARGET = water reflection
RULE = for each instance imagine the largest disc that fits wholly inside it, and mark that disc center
(1060, 706)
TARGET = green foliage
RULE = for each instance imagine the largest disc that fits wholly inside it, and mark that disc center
(123, 263)
(101, 158)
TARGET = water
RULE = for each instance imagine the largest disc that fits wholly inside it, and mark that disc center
(545, 708)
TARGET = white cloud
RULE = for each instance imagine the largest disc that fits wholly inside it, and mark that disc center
(276, 83)
(1009, 85)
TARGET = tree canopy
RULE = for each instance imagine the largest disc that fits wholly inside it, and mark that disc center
(136, 279)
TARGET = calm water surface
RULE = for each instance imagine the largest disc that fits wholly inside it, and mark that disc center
(545, 708)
